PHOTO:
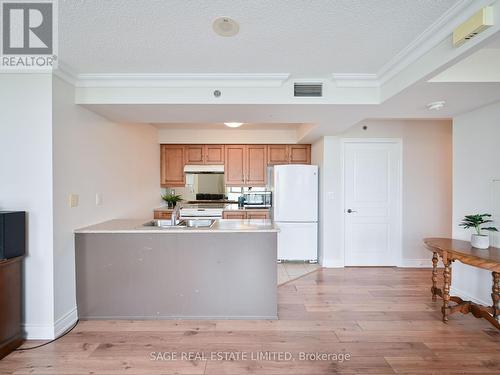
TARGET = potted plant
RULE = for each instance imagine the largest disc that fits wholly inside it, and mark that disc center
(481, 241)
(171, 199)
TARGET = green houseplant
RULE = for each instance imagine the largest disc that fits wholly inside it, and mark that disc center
(479, 240)
(171, 199)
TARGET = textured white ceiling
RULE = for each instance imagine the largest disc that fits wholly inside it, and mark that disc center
(301, 37)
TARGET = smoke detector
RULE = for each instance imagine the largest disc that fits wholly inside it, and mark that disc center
(436, 106)
(225, 26)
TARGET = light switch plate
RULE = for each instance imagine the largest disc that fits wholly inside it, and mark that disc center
(73, 200)
(331, 195)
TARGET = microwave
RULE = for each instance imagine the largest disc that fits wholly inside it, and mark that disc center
(258, 199)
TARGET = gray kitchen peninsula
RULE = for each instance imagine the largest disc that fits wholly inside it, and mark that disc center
(125, 270)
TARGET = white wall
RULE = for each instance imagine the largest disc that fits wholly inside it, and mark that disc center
(26, 184)
(93, 155)
(427, 193)
(476, 164)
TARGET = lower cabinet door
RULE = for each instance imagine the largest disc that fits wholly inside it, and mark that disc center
(258, 215)
(162, 215)
(297, 241)
(234, 215)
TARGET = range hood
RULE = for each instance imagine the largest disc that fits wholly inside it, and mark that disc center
(204, 169)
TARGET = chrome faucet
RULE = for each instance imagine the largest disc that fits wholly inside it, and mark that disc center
(175, 212)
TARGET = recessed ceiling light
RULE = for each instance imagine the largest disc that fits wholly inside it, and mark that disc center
(233, 124)
(436, 106)
(225, 26)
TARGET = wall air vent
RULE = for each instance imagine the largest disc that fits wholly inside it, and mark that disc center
(308, 90)
(473, 26)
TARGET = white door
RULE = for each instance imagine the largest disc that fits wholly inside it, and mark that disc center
(297, 241)
(295, 195)
(372, 201)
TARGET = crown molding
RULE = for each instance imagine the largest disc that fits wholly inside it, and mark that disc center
(431, 37)
(356, 79)
(117, 80)
(424, 43)
(66, 73)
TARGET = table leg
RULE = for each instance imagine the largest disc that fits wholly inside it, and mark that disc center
(495, 296)
(446, 288)
(434, 275)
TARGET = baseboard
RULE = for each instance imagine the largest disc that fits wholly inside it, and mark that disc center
(39, 331)
(467, 297)
(181, 317)
(417, 263)
(49, 332)
(332, 263)
(65, 322)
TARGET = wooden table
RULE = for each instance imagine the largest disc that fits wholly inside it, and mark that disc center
(489, 259)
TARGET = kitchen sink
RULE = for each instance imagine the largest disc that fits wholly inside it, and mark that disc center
(185, 223)
(198, 223)
(162, 224)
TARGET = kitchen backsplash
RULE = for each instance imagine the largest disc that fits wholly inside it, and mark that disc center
(232, 192)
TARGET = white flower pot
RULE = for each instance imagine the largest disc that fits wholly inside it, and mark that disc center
(480, 241)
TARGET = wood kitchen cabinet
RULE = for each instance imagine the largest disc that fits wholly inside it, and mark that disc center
(235, 165)
(288, 154)
(277, 154)
(299, 154)
(237, 215)
(214, 154)
(172, 165)
(245, 165)
(194, 154)
(256, 165)
(258, 214)
(204, 154)
(163, 215)
(246, 214)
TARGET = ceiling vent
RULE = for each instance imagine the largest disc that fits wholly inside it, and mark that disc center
(473, 26)
(308, 90)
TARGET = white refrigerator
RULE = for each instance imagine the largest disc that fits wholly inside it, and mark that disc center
(295, 210)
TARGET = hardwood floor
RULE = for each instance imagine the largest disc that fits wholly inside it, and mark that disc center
(383, 318)
(288, 271)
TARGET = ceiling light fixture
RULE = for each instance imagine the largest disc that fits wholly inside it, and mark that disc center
(436, 106)
(233, 124)
(225, 26)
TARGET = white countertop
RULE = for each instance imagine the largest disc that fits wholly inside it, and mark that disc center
(220, 226)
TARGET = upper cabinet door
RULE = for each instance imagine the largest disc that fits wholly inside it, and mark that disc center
(277, 154)
(256, 165)
(235, 165)
(172, 165)
(194, 154)
(300, 154)
(214, 154)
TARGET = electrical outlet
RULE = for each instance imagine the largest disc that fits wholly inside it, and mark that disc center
(98, 199)
(73, 200)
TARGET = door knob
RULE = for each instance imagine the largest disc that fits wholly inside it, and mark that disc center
(349, 211)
